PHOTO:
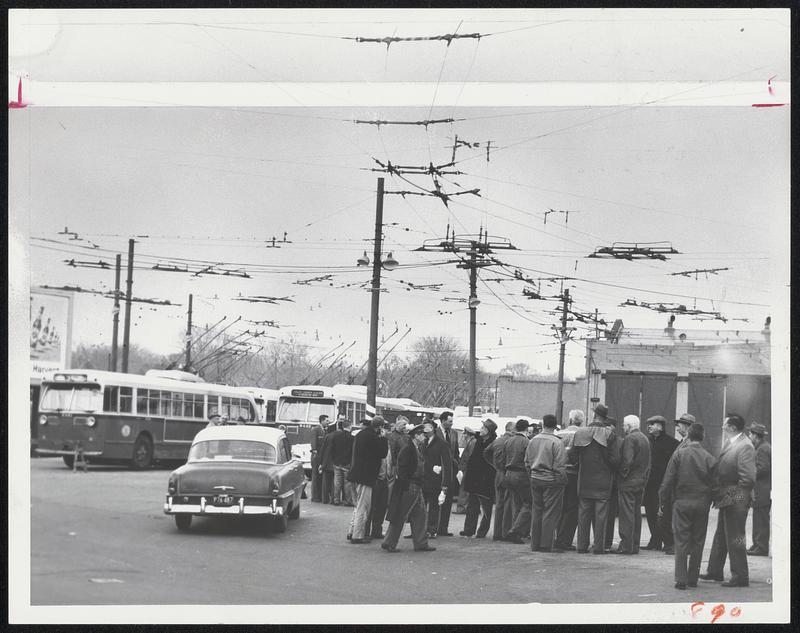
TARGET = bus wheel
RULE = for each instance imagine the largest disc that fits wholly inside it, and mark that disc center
(279, 523)
(183, 521)
(69, 461)
(142, 453)
(295, 513)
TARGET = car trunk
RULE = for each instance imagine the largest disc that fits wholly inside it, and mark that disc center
(245, 478)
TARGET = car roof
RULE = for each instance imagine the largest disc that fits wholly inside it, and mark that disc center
(250, 432)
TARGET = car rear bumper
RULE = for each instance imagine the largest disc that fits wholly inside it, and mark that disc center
(241, 507)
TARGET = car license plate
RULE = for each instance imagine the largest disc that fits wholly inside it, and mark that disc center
(223, 500)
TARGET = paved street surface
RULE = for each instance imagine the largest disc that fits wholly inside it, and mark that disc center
(101, 538)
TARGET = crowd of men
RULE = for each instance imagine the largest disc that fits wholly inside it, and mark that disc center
(560, 489)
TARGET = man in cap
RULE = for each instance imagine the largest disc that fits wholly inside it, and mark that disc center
(479, 480)
(735, 478)
(546, 460)
(517, 482)
(598, 456)
(634, 468)
(450, 437)
(407, 501)
(380, 491)
(369, 448)
(761, 497)
(214, 419)
(569, 517)
(317, 437)
(686, 489)
(495, 456)
(438, 474)
(682, 425)
(661, 448)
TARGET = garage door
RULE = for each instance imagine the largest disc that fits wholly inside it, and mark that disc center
(750, 397)
(706, 403)
(641, 394)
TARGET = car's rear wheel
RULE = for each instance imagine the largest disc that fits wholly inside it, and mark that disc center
(279, 523)
(295, 513)
(183, 521)
(142, 453)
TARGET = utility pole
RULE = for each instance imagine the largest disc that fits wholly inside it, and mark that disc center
(188, 361)
(126, 333)
(473, 309)
(115, 312)
(479, 248)
(372, 367)
(563, 332)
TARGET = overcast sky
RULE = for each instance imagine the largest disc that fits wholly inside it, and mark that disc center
(214, 183)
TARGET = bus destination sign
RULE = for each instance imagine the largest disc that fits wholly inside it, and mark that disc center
(307, 393)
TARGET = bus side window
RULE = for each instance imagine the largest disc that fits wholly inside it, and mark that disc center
(199, 402)
(153, 398)
(141, 400)
(177, 405)
(213, 406)
(226, 407)
(165, 402)
(126, 399)
(110, 399)
(246, 411)
(272, 410)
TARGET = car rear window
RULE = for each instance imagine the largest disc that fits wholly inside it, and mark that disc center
(233, 450)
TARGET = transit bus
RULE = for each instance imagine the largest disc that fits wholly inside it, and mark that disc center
(266, 403)
(129, 418)
(300, 406)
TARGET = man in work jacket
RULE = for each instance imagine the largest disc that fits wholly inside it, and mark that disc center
(634, 468)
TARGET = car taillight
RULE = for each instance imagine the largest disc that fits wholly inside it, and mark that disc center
(42, 420)
(275, 489)
(90, 421)
(172, 485)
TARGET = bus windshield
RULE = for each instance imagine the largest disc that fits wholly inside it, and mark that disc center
(305, 410)
(71, 397)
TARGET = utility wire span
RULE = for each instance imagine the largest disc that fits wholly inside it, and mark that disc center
(447, 37)
(425, 122)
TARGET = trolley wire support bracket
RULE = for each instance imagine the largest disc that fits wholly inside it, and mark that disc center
(635, 250)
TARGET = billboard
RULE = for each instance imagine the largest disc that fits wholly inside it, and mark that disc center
(51, 331)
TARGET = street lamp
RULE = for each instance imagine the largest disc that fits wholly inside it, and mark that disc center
(502, 374)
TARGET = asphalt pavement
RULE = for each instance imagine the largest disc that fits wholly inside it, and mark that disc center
(101, 538)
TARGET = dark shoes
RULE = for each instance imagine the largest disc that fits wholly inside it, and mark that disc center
(691, 584)
(360, 541)
(757, 552)
(669, 551)
(735, 583)
(378, 535)
(652, 546)
(389, 549)
(710, 577)
(570, 547)
(680, 585)
(445, 534)
(621, 551)
(583, 551)
(430, 534)
(480, 536)
(513, 538)
(463, 533)
(426, 549)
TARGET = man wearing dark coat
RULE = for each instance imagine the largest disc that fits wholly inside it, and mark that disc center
(317, 435)
(438, 474)
(661, 448)
(494, 455)
(735, 478)
(634, 468)
(686, 488)
(478, 481)
(369, 448)
(761, 494)
(407, 501)
(450, 437)
(326, 464)
(596, 446)
(569, 515)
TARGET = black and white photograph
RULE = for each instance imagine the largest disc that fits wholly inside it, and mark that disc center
(389, 316)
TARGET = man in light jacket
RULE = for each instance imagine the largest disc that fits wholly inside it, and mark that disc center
(495, 456)
(736, 476)
(546, 461)
(632, 475)
(761, 497)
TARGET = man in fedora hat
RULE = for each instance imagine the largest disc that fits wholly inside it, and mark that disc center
(761, 493)
(596, 447)
(407, 500)
(662, 446)
(682, 425)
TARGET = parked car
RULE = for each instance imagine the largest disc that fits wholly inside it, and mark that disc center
(237, 470)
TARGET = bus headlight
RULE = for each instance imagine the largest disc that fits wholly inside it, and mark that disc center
(42, 420)
(90, 421)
